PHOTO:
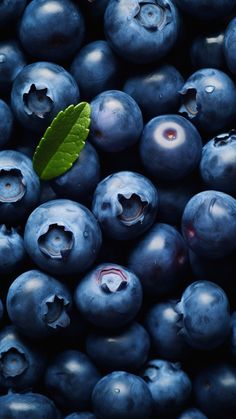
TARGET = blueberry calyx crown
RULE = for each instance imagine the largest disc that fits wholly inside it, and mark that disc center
(112, 280)
(189, 105)
(56, 241)
(55, 312)
(132, 208)
(224, 139)
(12, 362)
(12, 185)
(37, 101)
(152, 372)
(153, 15)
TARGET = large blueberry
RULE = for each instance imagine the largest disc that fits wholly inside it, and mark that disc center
(6, 122)
(12, 61)
(192, 413)
(12, 250)
(207, 50)
(229, 45)
(207, 9)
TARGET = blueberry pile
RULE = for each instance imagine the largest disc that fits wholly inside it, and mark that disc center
(118, 277)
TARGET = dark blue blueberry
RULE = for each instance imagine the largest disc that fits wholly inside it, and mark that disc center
(233, 334)
(215, 390)
(38, 305)
(192, 413)
(204, 315)
(229, 45)
(62, 237)
(160, 260)
(1, 310)
(156, 91)
(95, 68)
(109, 296)
(169, 385)
(6, 122)
(161, 323)
(12, 61)
(141, 31)
(77, 378)
(125, 204)
(207, 50)
(209, 224)
(12, 250)
(207, 9)
(80, 181)
(116, 121)
(21, 364)
(81, 415)
(19, 187)
(51, 30)
(218, 163)
(205, 93)
(40, 91)
(11, 10)
(170, 147)
(121, 395)
(126, 349)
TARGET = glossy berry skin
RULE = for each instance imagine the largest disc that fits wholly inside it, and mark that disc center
(170, 147)
(207, 50)
(11, 10)
(78, 377)
(215, 390)
(204, 93)
(6, 122)
(62, 237)
(47, 300)
(80, 181)
(121, 395)
(116, 121)
(27, 406)
(12, 251)
(167, 382)
(141, 32)
(60, 29)
(218, 163)
(40, 91)
(229, 46)
(125, 204)
(12, 61)
(209, 224)
(124, 350)
(161, 324)
(21, 363)
(160, 260)
(207, 9)
(19, 187)
(204, 315)
(95, 69)
(109, 296)
(156, 91)
(81, 415)
(192, 413)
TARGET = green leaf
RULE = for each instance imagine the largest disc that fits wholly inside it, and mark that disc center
(62, 141)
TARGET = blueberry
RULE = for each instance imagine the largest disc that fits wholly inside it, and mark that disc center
(40, 91)
(12, 250)
(10, 11)
(121, 395)
(204, 315)
(47, 300)
(209, 224)
(51, 30)
(126, 349)
(170, 147)
(116, 121)
(141, 31)
(169, 385)
(125, 204)
(109, 296)
(81, 415)
(160, 260)
(192, 413)
(62, 237)
(204, 93)
(1, 310)
(12, 61)
(207, 50)
(6, 122)
(229, 46)
(207, 9)
(78, 377)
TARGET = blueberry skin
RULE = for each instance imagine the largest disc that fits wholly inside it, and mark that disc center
(141, 32)
(207, 9)
(6, 122)
(169, 385)
(47, 300)
(40, 91)
(95, 69)
(12, 61)
(109, 296)
(204, 315)
(192, 413)
(11, 10)
(116, 121)
(27, 406)
(233, 334)
(121, 395)
(160, 260)
(12, 250)
(80, 181)
(204, 93)
(125, 204)
(62, 237)
(229, 46)
(170, 147)
(218, 163)
(78, 377)
(156, 91)
(215, 390)
(1, 310)
(126, 349)
(161, 324)
(19, 187)
(51, 30)
(81, 415)
(21, 364)
(207, 50)
(209, 224)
